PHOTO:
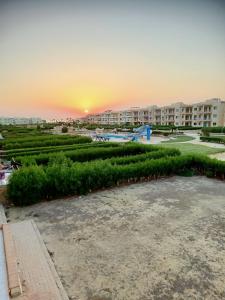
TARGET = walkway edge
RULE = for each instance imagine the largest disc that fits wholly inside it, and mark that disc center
(50, 263)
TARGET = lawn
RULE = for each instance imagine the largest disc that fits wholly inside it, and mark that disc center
(188, 148)
(179, 139)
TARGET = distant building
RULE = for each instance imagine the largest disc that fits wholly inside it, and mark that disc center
(202, 114)
(20, 121)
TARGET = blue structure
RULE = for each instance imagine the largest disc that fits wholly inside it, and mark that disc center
(139, 132)
(144, 130)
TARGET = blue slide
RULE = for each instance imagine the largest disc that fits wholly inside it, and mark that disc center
(144, 130)
(139, 132)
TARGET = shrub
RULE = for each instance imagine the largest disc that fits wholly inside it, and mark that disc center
(41, 141)
(51, 149)
(213, 129)
(64, 129)
(27, 185)
(62, 178)
(213, 139)
(161, 133)
(89, 154)
(158, 153)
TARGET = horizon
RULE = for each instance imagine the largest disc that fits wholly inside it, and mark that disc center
(70, 59)
(107, 109)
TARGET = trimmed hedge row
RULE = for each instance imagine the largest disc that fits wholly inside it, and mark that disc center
(123, 160)
(31, 184)
(214, 129)
(12, 131)
(49, 141)
(50, 149)
(92, 153)
(213, 139)
(159, 153)
(37, 137)
(161, 132)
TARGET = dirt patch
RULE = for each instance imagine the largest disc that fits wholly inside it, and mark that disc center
(159, 240)
(220, 156)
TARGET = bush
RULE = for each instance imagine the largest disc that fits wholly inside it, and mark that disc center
(41, 141)
(213, 129)
(64, 129)
(63, 178)
(89, 154)
(51, 149)
(158, 153)
(161, 133)
(213, 139)
(27, 185)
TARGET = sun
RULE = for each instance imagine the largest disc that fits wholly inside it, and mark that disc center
(86, 111)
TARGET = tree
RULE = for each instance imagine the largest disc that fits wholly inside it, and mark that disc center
(64, 129)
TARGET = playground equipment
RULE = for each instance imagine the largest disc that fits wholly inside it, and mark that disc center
(142, 131)
(139, 133)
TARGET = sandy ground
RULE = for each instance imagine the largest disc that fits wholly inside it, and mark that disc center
(159, 240)
(220, 156)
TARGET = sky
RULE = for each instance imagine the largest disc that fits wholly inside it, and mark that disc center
(68, 58)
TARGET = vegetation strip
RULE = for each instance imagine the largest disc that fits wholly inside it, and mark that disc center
(90, 153)
(35, 183)
(213, 139)
(51, 149)
(44, 141)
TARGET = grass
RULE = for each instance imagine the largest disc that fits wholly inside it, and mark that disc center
(188, 148)
(179, 139)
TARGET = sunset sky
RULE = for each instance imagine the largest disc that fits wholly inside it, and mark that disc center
(67, 58)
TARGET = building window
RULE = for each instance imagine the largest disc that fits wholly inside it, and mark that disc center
(214, 124)
(214, 116)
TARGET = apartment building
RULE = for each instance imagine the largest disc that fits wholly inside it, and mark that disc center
(202, 114)
(20, 121)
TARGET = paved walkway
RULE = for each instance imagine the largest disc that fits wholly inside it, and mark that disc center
(3, 272)
(197, 141)
(25, 264)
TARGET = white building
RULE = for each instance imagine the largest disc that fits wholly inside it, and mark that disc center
(20, 121)
(202, 114)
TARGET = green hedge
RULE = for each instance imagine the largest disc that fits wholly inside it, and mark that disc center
(213, 139)
(51, 149)
(27, 185)
(45, 141)
(37, 137)
(31, 184)
(158, 153)
(93, 153)
(12, 131)
(162, 132)
(213, 129)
